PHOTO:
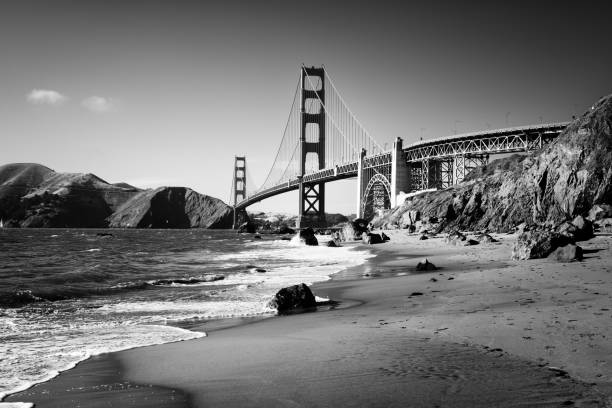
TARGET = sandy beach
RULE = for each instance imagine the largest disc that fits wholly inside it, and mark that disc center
(480, 331)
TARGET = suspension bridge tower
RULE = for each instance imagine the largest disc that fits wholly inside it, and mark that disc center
(311, 210)
(238, 184)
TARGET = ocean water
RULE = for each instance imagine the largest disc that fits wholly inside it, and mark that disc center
(68, 294)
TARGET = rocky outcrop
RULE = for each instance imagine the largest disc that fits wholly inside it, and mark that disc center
(307, 237)
(371, 238)
(425, 266)
(172, 207)
(567, 253)
(563, 180)
(538, 243)
(293, 298)
(248, 227)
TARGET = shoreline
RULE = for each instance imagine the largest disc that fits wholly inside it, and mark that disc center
(480, 300)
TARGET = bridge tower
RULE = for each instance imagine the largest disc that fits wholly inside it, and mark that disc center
(238, 183)
(311, 212)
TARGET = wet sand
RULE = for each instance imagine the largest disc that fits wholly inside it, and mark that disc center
(481, 331)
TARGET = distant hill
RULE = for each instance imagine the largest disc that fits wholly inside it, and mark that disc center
(172, 207)
(32, 195)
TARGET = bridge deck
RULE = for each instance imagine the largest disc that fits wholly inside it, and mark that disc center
(520, 138)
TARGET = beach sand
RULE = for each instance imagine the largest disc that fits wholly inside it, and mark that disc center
(481, 331)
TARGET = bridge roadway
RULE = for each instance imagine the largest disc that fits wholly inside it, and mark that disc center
(497, 141)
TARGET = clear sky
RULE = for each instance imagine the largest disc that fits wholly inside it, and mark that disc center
(167, 92)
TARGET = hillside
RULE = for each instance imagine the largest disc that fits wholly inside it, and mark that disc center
(564, 179)
(32, 195)
(172, 207)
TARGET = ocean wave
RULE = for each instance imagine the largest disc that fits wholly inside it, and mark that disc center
(45, 359)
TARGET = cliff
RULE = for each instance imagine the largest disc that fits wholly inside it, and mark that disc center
(563, 180)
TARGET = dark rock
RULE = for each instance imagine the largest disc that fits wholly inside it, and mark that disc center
(467, 242)
(248, 227)
(371, 239)
(256, 236)
(455, 238)
(485, 239)
(384, 237)
(567, 253)
(584, 228)
(538, 244)
(260, 270)
(426, 266)
(307, 236)
(416, 294)
(292, 298)
(423, 237)
(284, 229)
(433, 280)
(568, 229)
(332, 243)
(360, 226)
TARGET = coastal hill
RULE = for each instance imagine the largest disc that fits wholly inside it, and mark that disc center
(563, 180)
(172, 207)
(32, 195)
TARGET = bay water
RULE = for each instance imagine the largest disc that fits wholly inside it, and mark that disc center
(68, 294)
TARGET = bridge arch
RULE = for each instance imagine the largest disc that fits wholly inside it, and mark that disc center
(376, 195)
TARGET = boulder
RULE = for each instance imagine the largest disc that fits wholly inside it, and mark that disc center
(455, 238)
(538, 244)
(385, 237)
(568, 229)
(360, 226)
(248, 227)
(293, 298)
(307, 236)
(332, 243)
(584, 228)
(284, 229)
(370, 238)
(567, 253)
(485, 238)
(423, 237)
(426, 266)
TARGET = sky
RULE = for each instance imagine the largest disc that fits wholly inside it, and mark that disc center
(159, 93)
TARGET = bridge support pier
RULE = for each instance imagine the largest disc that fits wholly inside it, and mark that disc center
(360, 184)
(400, 176)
